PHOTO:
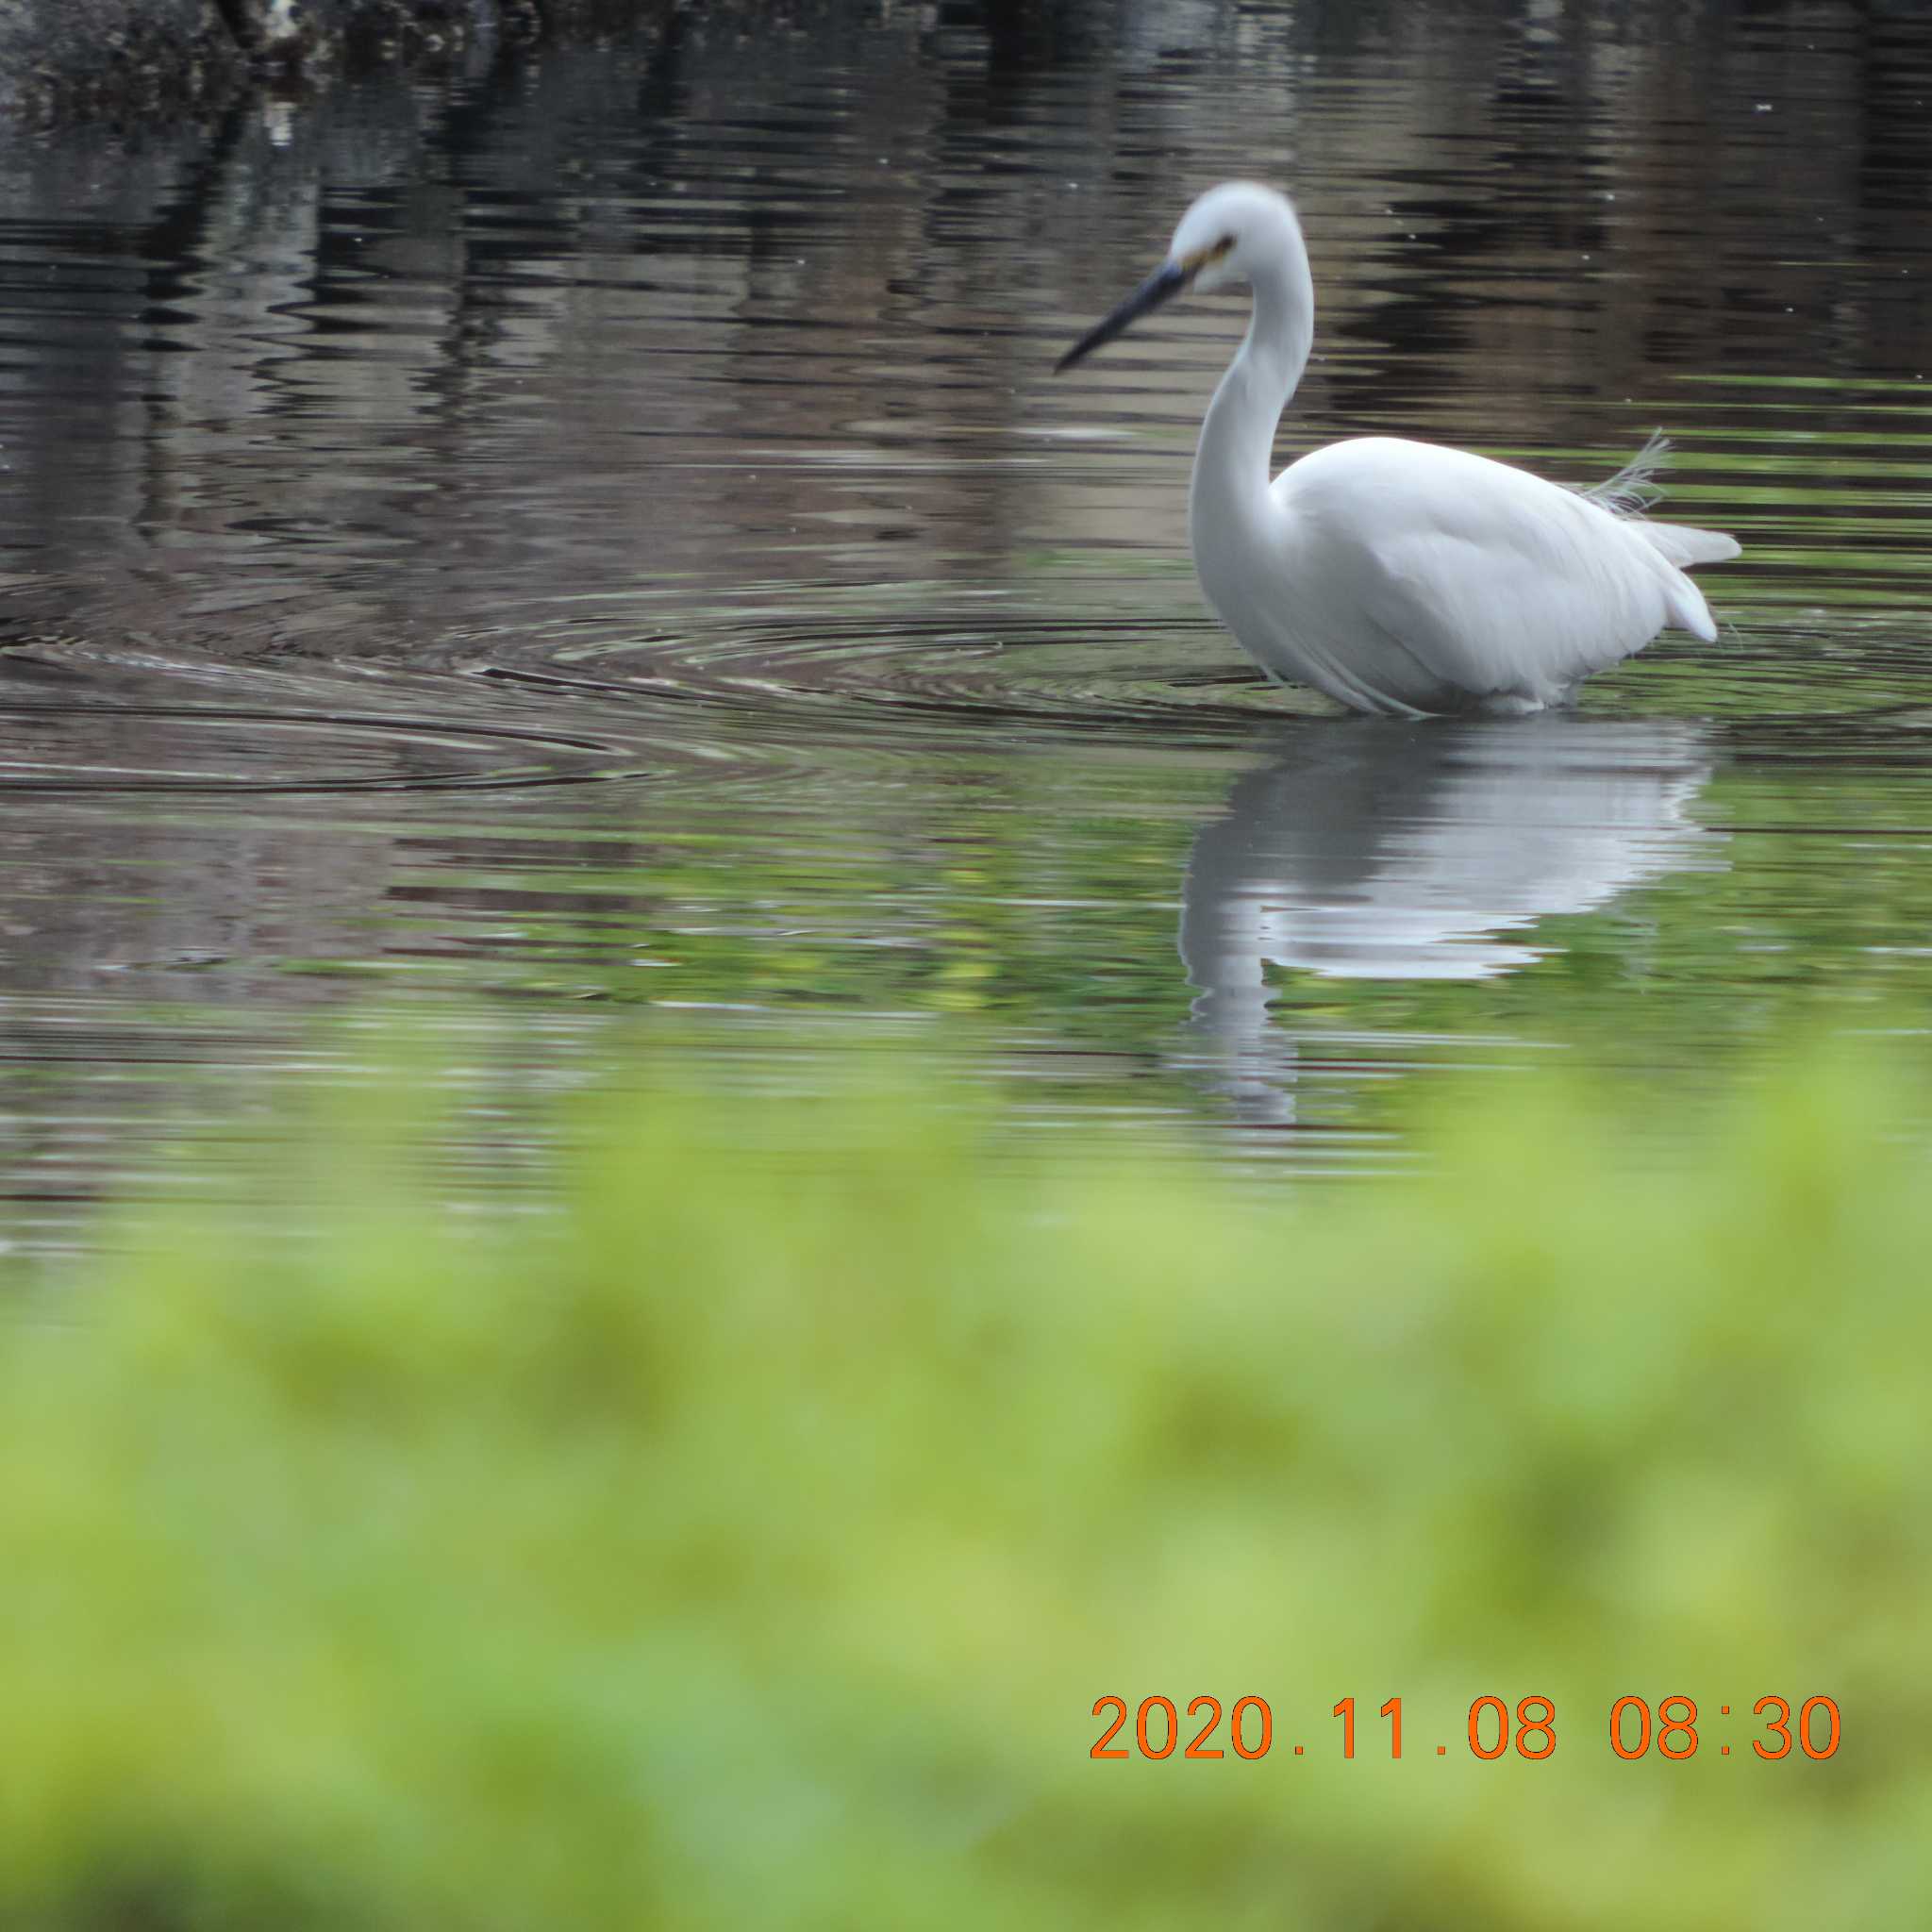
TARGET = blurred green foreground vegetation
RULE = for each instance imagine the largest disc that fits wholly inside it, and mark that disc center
(747, 1544)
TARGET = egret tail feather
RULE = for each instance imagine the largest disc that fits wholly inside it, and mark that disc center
(1634, 488)
(1680, 544)
(1688, 611)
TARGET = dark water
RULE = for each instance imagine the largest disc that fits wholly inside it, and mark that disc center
(593, 552)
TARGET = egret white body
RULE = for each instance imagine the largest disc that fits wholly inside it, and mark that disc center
(1398, 577)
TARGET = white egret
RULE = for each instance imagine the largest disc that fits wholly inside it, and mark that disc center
(1398, 577)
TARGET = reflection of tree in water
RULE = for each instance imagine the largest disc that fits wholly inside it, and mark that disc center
(414, 308)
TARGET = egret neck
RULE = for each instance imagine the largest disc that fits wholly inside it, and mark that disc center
(1229, 497)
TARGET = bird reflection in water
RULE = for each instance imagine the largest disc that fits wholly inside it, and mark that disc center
(1398, 851)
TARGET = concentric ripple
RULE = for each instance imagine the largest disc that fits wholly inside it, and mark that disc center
(81, 717)
(739, 696)
(118, 748)
(802, 673)
(867, 674)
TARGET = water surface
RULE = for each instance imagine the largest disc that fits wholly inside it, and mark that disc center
(592, 552)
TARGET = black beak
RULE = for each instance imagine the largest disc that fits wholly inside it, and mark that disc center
(1161, 285)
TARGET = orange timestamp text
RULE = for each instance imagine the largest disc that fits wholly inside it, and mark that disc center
(1492, 1728)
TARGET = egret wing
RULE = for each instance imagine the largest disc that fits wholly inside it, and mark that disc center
(1495, 580)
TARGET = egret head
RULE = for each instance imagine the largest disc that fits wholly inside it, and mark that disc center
(1237, 232)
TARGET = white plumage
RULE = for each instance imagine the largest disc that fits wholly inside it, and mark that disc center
(1399, 577)
(1394, 851)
